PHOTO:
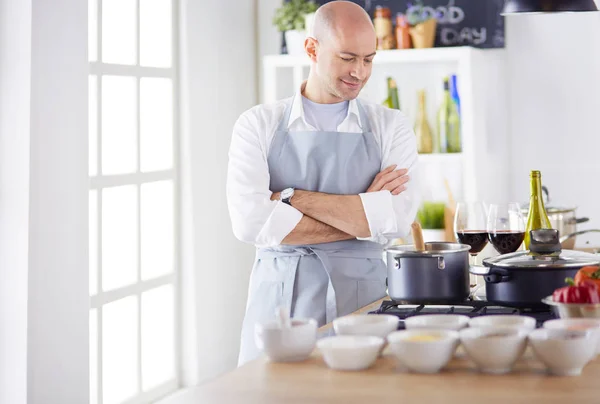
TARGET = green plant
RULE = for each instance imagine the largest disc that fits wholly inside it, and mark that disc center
(417, 13)
(431, 215)
(290, 16)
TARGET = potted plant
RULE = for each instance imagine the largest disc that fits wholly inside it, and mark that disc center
(431, 217)
(423, 24)
(290, 18)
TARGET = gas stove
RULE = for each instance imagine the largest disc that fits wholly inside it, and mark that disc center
(470, 308)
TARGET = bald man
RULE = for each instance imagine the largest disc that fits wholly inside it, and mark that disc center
(319, 183)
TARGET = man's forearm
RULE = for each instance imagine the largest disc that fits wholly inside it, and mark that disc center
(343, 212)
(311, 231)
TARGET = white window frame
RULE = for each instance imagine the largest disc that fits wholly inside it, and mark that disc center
(100, 182)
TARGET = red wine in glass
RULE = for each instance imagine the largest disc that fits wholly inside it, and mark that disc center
(506, 227)
(477, 239)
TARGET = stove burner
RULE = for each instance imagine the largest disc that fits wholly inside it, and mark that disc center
(470, 308)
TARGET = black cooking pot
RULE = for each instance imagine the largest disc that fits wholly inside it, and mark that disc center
(524, 278)
(440, 274)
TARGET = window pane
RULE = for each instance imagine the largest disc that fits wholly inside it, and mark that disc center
(93, 241)
(155, 33)
(93, 124)
(156, 121)
(158, 349)
(93, 356)
(119, 350)
(157, 229)
(119, 31)
(92, 30)
(119, 236)
(118, 125)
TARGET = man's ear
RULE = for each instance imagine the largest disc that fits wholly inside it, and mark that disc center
(310, 46)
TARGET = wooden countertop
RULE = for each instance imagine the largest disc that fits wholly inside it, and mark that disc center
(311, 381)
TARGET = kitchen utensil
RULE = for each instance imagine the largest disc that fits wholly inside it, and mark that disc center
(438, 274)
(350, 352)
(283, 317)
(449, 212)
(494, 350)
(573, 310)
(286, 344)
(417, 234)
(437, 322)
(423, 351)
(564, 352)
(577, 324)
(562, 218)
(524, 278)
(504, 321)
(366, 324)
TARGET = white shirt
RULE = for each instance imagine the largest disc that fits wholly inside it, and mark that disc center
(325, 117)
(258, 220)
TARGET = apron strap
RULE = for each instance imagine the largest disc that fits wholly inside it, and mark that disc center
(364, 119)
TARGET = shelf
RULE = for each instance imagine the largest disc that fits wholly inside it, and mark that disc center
(394, 56)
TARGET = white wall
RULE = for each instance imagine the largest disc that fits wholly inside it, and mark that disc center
(15, 62)
(218, 82)
(554, 87)
(44, 297)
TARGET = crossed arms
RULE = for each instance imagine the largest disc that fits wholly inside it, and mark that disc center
(328, 218)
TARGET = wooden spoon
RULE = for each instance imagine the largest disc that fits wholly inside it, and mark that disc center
(417, 234)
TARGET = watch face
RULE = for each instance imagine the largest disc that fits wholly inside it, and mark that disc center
(287, 193)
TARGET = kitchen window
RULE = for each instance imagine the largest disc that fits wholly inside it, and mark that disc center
(133, 210)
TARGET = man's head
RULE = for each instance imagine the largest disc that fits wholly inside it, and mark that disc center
(341, 47)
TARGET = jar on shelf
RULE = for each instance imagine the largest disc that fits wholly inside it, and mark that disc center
(384, 28)
(402, 32)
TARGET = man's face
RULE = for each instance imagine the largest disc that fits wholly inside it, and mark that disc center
(344, 62)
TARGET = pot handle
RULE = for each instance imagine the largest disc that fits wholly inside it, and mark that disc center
(497, 275)
(441, 263)
(479, 270)
(582, 220)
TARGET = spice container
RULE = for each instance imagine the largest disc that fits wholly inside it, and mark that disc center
(384, 28)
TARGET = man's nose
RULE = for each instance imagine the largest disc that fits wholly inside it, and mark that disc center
(359, 71)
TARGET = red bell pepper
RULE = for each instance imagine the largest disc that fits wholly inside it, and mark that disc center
(584, 292)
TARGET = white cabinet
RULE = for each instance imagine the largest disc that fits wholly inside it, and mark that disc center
(481, 171)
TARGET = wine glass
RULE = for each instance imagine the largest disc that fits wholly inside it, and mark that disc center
(506, 227)
(470, 227)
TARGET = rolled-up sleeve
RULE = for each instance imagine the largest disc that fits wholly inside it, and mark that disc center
(391, 216)
(255, 218)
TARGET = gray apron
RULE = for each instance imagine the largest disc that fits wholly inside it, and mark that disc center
(320, 281)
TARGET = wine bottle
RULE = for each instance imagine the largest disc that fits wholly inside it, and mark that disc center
(422, 128)
(454, 142)
(448, 124)
(393, 93)
(454, 93)
(537, 217)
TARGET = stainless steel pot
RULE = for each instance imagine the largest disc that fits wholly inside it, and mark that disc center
(524, 278)
(563, 219)
(437, 275)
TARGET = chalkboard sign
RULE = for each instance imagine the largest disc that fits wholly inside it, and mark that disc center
(475, 23)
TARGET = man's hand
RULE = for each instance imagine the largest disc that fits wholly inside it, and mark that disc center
(275, 196)
(390, 180)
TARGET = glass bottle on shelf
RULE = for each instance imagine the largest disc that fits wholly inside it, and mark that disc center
(448, 124)
(382, 22)
(422, 128)
(537, 217)
(402, 32)
(393, 100)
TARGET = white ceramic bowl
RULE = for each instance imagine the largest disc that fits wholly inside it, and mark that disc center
(413, 350)
(577, 324)
(376, 325)
(564, 352)
(573, 310)
(287, 344)
(494, 350)
(350, 352)
(437, 322)
(511, 321)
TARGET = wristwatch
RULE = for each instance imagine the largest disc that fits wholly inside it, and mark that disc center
(286, 196)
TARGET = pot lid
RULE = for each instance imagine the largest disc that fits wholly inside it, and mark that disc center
(558, 260)
(550, 209)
